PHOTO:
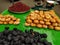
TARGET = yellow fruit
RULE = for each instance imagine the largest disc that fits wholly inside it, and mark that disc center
(8, 19)
(58, 20)
(11, 22)
(51, 27)
(55, 24)
(47, 23)
(5, 22)
(36, 21)
(35, 17)
(36, 11)
(32, 14)
(2, 19)
(32, 18)
(17, 19)
(1, 15)
(29, 21)
(46, 20)
(28, 17)
(57, 28)
(40, 18)
(27, 24)
(48, 17)
(46, 12)
(41, 22)
(14, 18)
(59, 24)
(32, 24)
(16, 22)
(39, 25)
(45, 26)
(53, 20)
(41, 13)
(1, 22)
(56, 17)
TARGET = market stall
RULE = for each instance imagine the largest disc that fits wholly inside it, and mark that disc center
(41, 21)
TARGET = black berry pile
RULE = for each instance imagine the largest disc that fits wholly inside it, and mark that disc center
(17, 37)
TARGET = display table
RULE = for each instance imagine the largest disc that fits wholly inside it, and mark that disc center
(53, 36)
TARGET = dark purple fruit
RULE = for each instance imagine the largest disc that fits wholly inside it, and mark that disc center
(27, 40)
(47, 43)
(40, 43)
(6, 28)
(15, 29)
(25, 34)
(35, 40)
(26, 31)
(22, 44)
(36, 34)
(43, 35)
(31, 40)
(31, 30)
(34, 44)
(14, 33)
(16, 37)
(22, 38)
(9, 37)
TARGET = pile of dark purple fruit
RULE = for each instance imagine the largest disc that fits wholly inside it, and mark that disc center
(17, 37)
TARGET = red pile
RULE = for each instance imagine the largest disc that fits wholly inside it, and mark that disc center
(19, 7)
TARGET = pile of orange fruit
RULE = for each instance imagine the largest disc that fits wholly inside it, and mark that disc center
(9, 19)
(43, 19)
